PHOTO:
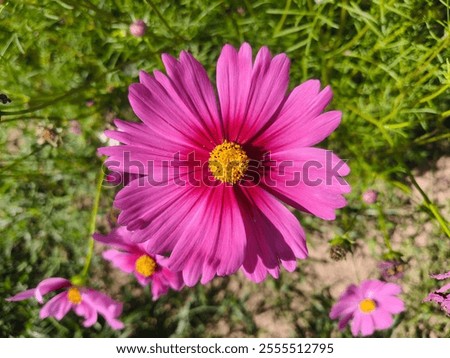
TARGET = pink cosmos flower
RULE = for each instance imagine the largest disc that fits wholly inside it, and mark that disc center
(85, 302)
(133, 258)
(441, 295)
(369, 307)
(215, 170)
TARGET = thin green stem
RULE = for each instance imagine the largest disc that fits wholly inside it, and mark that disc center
(283, 18)
(92, 222)
(43, 105)
(163, 20)
(430, 205)
(383, 227)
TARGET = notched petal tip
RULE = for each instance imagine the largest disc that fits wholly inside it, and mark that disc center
(143, 76)
(168, 61)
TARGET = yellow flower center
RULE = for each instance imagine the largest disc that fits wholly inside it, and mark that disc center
(228, 162)
(145, 265)
(367, 305)
(74, 295)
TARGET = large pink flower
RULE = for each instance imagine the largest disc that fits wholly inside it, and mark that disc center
(441, 295)
(369, 306)
(213, 172)
(85, 302)
(131, 257)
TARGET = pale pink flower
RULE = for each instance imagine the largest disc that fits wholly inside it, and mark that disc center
(368, 307)
(133, 258)
(85, 302)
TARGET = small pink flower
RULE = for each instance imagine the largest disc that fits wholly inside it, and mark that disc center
(369, 307)
(133, 258)
(138, 28)
(370, 196)
(85, 302)
(441, 295)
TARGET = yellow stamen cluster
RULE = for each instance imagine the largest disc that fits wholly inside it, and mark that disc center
(74, 295)
(228, 162)
(145, 266)
(367, 305)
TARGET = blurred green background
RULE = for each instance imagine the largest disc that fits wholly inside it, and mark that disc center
(387, 63)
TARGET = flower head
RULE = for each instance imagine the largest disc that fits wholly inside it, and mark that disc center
(213, 172)
(85, 302)
(368, 307)
(138, 28)
(441, 295)
(133, 258)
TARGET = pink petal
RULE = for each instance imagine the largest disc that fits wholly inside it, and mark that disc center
(143, 281)
(390, 289)
(248, 104)
(372, 289)
(48, 285)
(444, 288)
(22, 295)
(141, 155)
(433, 297)
(382, 319)
(137, 214)
(293, 236)
(234, 80)
(57, 307)
(87, 312)
(218, 248)
(166, 121)
(441, 276)
(273, 233)
(193, 87)
(119, 238)
(355, 325)
(107, 307)
(309, 179)
(344, 307)
(137, 134)
(446, 306)
(159, 288)
(343, 321)
(122, 260)
(367, 324)
(300, 122)
(173, 279)
(391, 304)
